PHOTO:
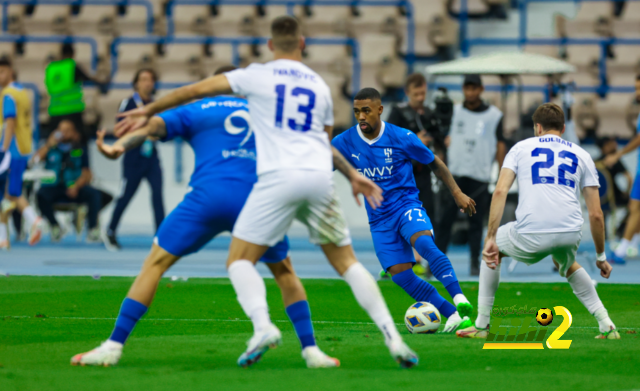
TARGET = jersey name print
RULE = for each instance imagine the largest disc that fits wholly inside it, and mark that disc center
(551, 173)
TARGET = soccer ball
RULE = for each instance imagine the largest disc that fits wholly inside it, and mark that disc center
(544, 316)
(422, 318)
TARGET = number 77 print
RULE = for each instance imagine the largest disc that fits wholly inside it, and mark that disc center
(518, 333)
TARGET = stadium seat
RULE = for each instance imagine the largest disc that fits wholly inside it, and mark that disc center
(326, 21)
(109, 105)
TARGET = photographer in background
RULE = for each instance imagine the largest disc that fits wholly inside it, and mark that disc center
(475, 140)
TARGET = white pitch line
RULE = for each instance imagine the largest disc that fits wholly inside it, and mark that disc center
(238, 320)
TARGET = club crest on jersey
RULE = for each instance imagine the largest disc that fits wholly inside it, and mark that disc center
(387, 153)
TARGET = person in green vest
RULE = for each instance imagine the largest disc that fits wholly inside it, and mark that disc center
(64, 79)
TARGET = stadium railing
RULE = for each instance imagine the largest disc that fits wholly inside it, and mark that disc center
(141, 3)
(405, 5)
(466, 43)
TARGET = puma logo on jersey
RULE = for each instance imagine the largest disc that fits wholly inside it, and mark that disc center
(448, 275)
(357, 157)
(376, 171)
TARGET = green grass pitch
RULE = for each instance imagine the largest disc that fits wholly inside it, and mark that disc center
(194, 332)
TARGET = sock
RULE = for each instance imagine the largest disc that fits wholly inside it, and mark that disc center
(459, 298)
(29, 215)
(489, 281)
(252, 293)
(368, 295)
(585, 291)
(635, 241)
(300, 315)
(421, 290)
(3, 232)
(621, 251)
(130, 313)
(439, 264)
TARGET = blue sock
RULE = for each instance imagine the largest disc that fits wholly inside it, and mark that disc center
(300, 315)
(421, 290)
(439, 264)
(130, 313)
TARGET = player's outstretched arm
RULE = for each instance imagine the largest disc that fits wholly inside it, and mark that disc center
(596, 221)
(491, 253)
(359, 184)
(137, 118)
(155, 128)
(466, 204)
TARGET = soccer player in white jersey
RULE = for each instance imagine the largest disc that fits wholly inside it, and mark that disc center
(551, 173)
(292, 116)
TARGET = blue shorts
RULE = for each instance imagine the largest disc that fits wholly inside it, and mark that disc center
(635, 190)
(202, 215)
(17, 167)
(392, 237)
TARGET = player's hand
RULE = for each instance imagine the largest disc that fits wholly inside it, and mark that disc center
(605, 268)
(611, 160)
(366, 187)
(131, 120)
(72, 192)
(466, 204)
(109, 151)
(491, 253)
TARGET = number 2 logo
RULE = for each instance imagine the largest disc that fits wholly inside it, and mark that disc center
(281, 91)
(563, 169)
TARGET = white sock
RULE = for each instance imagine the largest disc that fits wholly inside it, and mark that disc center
(3, 232)
(251, 292)
(635, 241)
(29, 215)
(585, 291)
(604, 323)
(459, 298)
(488, 285)
(455, 317)
(368, 295)
(111, 344)
(621, 251)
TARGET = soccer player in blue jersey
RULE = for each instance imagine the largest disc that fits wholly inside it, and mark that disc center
(383, 152)
(220, 134)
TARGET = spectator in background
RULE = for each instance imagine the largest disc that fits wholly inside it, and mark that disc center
(16, 139)
(66, 155)
(138, 163)
(609, 146)
(475, 140)
(64, 80)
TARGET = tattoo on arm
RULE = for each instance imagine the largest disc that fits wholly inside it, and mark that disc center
(341, 164)
(442, 172)
(155, 128)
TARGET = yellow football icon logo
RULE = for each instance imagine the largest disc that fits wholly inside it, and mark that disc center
(544, 316)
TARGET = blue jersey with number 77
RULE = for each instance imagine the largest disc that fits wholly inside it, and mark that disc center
(387, 161)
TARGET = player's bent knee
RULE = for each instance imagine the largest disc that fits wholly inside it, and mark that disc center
(341, 258)
(242, 250)
(572, 269)
(396, 269)
(159, 259)
(417, 235)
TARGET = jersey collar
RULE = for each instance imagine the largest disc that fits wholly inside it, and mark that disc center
(366, 140)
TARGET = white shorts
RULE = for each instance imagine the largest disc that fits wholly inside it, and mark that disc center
(533, 247)
(280, 196)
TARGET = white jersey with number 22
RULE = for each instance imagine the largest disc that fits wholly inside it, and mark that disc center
(551, 173)
(289, 105)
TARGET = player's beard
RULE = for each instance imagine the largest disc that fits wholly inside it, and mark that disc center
(367, 129)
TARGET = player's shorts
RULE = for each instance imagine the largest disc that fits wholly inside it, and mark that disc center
(392, 238)
(17, 167)
(202, 215)
(533, 247)
(635, 190)
(281, 196)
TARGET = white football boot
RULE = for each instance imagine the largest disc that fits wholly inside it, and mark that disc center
(259, 344)
(456, 322)
(316, 358)
(403, 355)
(35, 233)
(104, 355)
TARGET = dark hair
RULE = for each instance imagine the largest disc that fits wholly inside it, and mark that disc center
(5, 62)
(225, 69)
(415, 80)
(602, 141)
(67, 50)
(550, 116)
(367, 93)
(285, 33)
(140, 72)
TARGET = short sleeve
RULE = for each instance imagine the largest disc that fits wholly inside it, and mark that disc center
(328, 117)
(511, 160)
(176, 122)
(8, 107)
(590, 174)
(416, 149)
(240, 80)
